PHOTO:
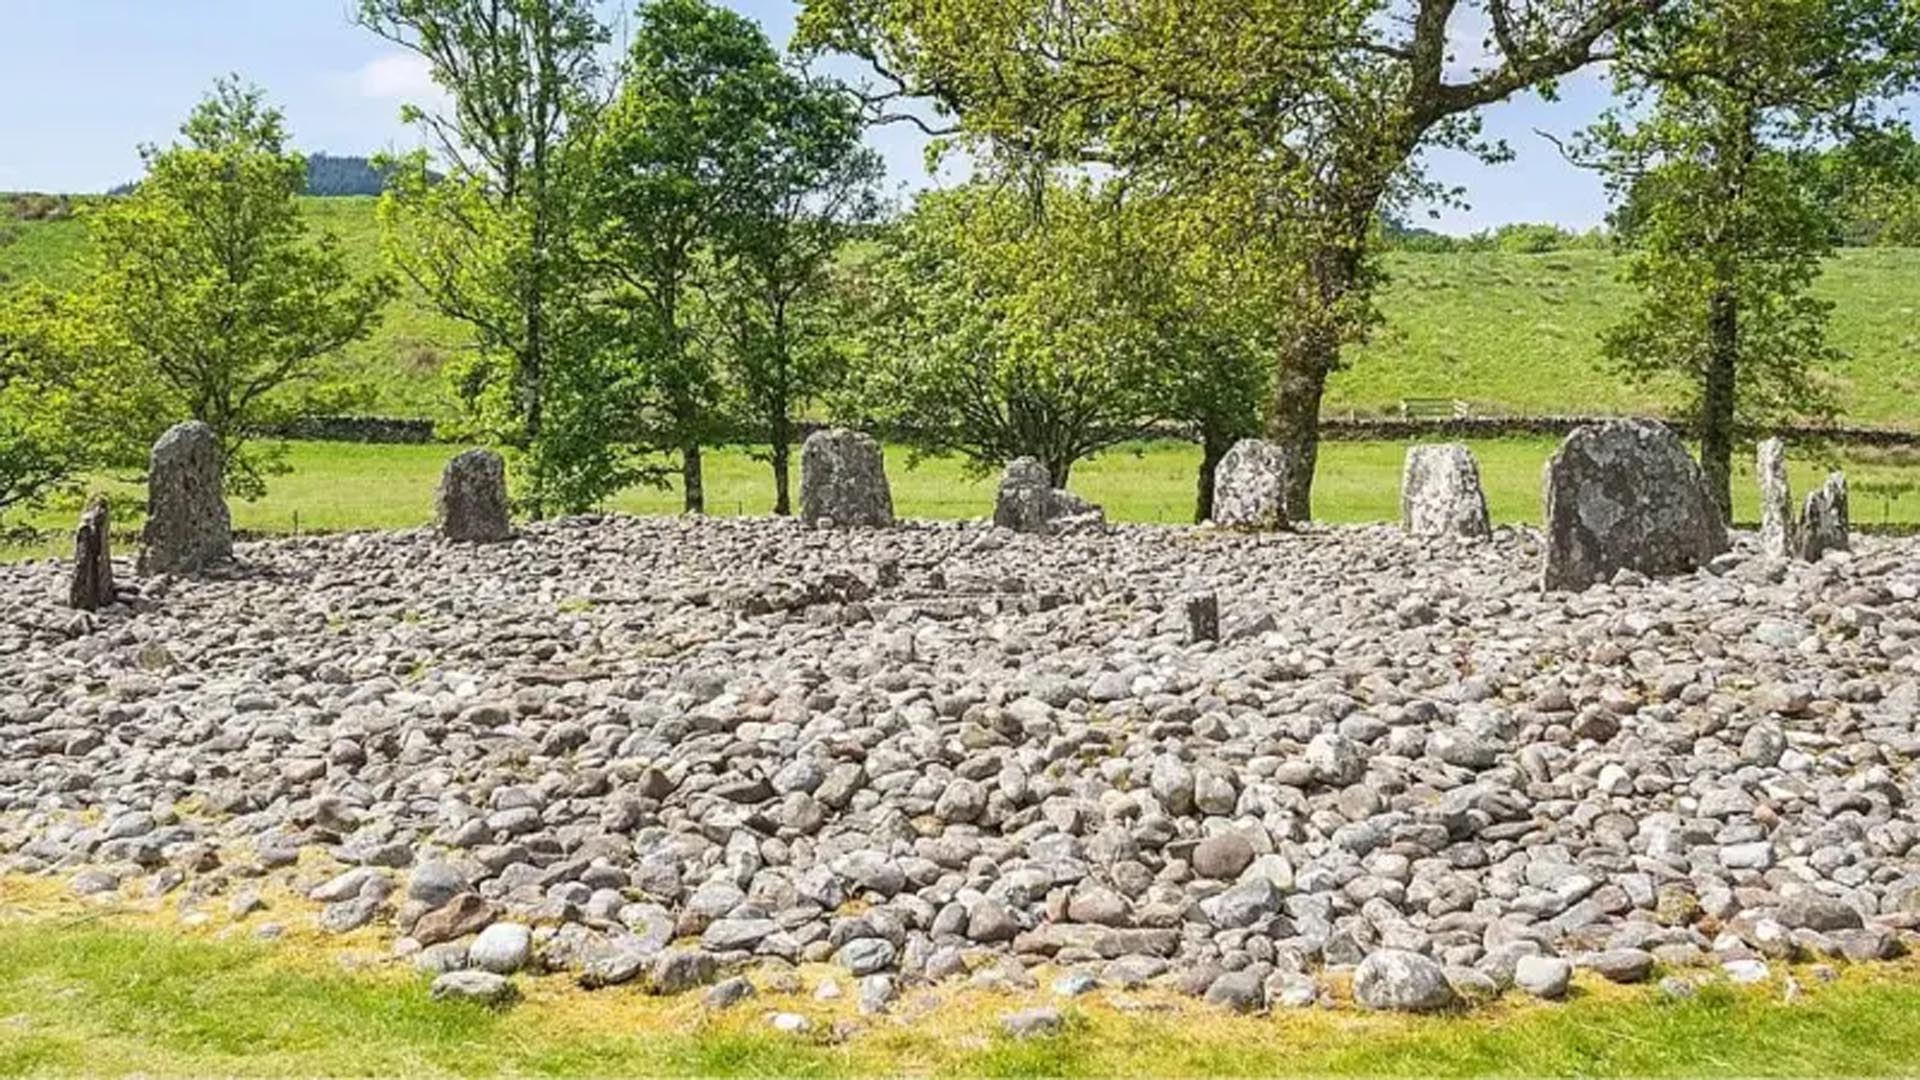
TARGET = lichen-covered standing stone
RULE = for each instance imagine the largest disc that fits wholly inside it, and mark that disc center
(1824, 525)
(92, 587)
(1250, 485)
(1625, 495)
(188, 528)
(1440, 492)
(471, 503)
(843, 480)
(1776, 501)
(1028, 502)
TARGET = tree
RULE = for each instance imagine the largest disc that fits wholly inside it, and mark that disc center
(809, 185)
(50, 430)
(1308, 116)
(1727, 105)
(490, 242)
(1008, 326)
(208, 295)
(675, 165)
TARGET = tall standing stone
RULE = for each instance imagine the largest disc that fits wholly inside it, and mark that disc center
(188, 528)
(843, 480)
(1776, 501)
(1625, 495)
(470, 504)
(1250, 485)
(1028, 502)
(92, 587)
(1825, 524)
(1440, 493)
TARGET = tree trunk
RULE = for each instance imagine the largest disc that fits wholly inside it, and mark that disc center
(1717, 403)
(1058, 471)
(690, 479)
(782, 458)
(1212, 449)
(1295, 424)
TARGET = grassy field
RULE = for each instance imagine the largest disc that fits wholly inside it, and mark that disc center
(129, 993)
(1509, 332)
(342, 486)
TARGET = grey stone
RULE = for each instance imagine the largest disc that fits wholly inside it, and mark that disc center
(1824, 524)
(1543, 976)
(1032, 1023)
(470, 504)
(1028, 502)
(1402, 981)
(1776, 501)
(188, 528)
(479, 987)
(1222, 856)
(1440, 493)
(1249, 486)
(843, 479)
(1203, 616)
(727, 993)
(1625, 495)
(865, 956)
(1238, 991)
(92, 586)
(502, 948)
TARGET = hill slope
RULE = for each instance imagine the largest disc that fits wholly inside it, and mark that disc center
(1508, 332)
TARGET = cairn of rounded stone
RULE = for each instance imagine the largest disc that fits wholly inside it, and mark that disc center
(92, 587)
(1824, 524)
(1776, 501)
(1028, 502)
(1625, 495)
(1440, 493)
(1250, 486)
(188, 528)
(843, 480)
(470, 504)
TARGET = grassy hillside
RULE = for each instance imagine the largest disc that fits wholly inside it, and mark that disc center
(1511, 333)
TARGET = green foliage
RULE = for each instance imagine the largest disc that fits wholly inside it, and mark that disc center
(1726, 104)
(50, 432)
(1302, 120)
(206, 295)
(489, 244)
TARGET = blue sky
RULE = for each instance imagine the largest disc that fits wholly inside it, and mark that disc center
(86, 81)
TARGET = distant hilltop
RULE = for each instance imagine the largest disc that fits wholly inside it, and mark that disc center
(327, 175)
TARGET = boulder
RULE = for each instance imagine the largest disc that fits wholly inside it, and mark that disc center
(1400, 981)
(1203, 616)
(1440, 492)
(188, 528)
(92, 586)
(1824, 524)
(470, 505)
(1250, 485)
(1625, 495)
(843, 480)
(1776, 501)
(1028, 502)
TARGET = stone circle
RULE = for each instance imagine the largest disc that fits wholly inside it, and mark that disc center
(470, 505)
(1626, 495)
(1250, 486)
(1440, 492)
(188, 528)
(843, 480)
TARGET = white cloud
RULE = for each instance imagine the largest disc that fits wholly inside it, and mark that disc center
(401, 76)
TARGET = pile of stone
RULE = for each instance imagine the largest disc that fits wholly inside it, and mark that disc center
(661, 753)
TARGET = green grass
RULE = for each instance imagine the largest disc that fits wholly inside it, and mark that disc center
(108, 995)
(1509, 332)
(343, 486)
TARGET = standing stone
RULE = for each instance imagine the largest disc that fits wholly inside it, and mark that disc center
(1203, 616)
(1625, 495)
(1249, 486)
(471, 503)
(1028, 502)
(92, 587)
(843, 480)
(1776, 501)
(188, 528)
(1440, 492)
(1824, 525)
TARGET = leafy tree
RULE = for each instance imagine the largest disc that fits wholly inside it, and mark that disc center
(208, 295)
(808, 187)
(1008, 326)
(667, 165)
(1726, 103)
(50, 430)
(490, 242)
(1307, 116)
